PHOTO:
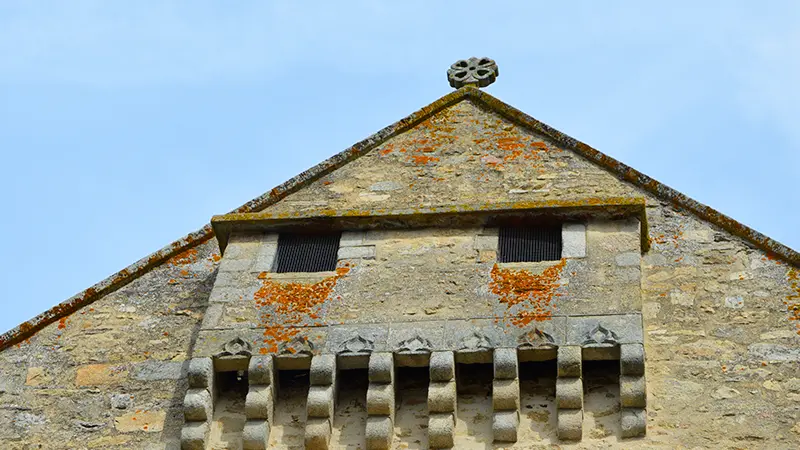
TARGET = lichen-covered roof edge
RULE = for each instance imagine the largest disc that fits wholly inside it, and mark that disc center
(624, 172)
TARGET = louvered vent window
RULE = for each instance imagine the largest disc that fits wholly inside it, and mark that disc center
(307, 252)
(530, 244)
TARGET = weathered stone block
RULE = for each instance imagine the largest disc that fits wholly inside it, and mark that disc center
(379, 433)
(381, 368)
(323, 370)
(152, 370)
(201, 373)
(241, 247)
(35, 377)
(212, 316)
(365, 251)
(569, 361)
(226, 286)
(569, 393)
(149, 421)
(265, 257)
(380, 400)
(505, 425)
(632, 391)
(441, 430)
(773, 352)
(101, 374)
(570, 424)
(11, 380)
(505, 364)
(573, 240)
(631, 359)
(505, 395)
(259, 403)
(320, 401)
(352, 238)
(255, 435)
(235, 265)
(610, 330)
(194, 435)
(628, 259)
(317, 434)
(443, 366)
(260, 370)
(197, 404)
(634, 422)
(121, 401)
(486, 242)
(442, 396)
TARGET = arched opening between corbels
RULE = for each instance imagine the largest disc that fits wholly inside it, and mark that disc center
(601, 387)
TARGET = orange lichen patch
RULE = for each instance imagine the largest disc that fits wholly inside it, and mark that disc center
(386, 150)
(423, 159)
(62, 323)
(186, 257)
(533, 293)
(215, 258)
(509, 143)
(793, 300)
(285, 305)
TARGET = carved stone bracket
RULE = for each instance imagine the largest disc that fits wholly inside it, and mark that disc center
(298, 346)
(475, 342)
(357, 346)
(536, 339)
(415, 345)
(235, 347)
(600, 336)
(233, 356)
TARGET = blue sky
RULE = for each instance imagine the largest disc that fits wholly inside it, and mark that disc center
(126, 125)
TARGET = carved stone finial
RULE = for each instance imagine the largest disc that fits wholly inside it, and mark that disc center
(480, 72)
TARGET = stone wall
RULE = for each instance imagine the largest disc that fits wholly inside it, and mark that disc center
(112, 375)
(720, 317)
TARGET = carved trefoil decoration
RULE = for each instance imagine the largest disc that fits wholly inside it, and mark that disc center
(235, 347)
(357, 346)
(536, 339)
(475, 342)
(415, 345)
(600, 336)
(480, 72)
(298, 346)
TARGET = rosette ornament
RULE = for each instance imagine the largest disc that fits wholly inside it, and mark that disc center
(480, 72)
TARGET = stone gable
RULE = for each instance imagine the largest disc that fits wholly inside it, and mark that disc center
(462, 155)
(655, 321)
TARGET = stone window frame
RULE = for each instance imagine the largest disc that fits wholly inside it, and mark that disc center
(573, 242)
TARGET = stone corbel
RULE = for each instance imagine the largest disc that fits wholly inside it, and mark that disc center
(198, 404)
(380, 402)
(505, 395)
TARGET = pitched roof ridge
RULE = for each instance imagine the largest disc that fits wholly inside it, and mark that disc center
(624, 172)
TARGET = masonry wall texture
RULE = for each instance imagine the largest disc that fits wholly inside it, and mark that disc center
(721, 334)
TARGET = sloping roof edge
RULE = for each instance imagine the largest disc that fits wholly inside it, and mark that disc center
(622, 171)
